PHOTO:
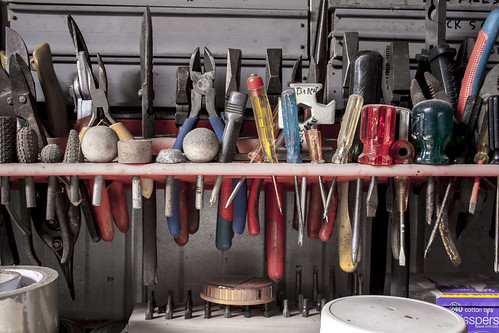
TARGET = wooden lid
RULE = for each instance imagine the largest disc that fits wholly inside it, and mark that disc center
(238, 290)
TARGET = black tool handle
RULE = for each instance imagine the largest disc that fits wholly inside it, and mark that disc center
(493, 106)
(234, 120)
(441, 60)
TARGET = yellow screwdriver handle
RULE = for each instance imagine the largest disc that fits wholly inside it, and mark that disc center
(263, 117)
(348, 127)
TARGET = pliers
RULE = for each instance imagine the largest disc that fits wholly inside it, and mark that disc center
(202, 86)
(90, 99)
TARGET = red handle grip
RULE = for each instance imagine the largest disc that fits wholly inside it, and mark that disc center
(119, 210)
(103, 215)
(226, 213)
(253, 203)
(183, 237)
(274, 233)
(315, 209)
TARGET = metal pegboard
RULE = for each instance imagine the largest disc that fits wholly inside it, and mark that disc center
(114, 32)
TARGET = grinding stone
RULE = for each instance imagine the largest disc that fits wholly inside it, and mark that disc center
(99, 144)
(201, 145)
(170, 156)
(134, 151)
(51, 153)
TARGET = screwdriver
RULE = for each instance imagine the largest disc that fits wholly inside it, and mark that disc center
(234, 113)
(345, 139)
(316, 203)
(402, 152)
(264, 124)
(377, 133)
(292, 140)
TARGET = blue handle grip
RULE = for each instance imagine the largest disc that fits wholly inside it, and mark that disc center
(240, 207)
(174, 221)
(291, 126)
(224, 232)
(188, 125)
(491, 29)
(218, 126)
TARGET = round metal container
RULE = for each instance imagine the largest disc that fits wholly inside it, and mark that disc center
(33, 306)
(237, 290)
(361, 314)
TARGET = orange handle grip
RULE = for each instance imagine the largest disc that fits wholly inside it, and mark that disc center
(103, 215)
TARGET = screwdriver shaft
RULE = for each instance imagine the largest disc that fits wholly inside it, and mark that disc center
(443, 207)
(329, 197)
(356, 221)
(298, 210)
(430, 198)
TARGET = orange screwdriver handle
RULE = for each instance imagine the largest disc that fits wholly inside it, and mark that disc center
(274, 233)
(327, 227)
(103, 214)
(119, 210)
(183, 238)
(315, 210)
(253, 203)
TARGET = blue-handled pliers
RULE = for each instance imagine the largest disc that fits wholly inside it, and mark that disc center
(202, 86)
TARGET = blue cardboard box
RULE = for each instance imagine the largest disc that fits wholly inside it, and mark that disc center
(474, 298)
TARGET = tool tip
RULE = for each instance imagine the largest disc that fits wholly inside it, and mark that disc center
(472, 207)
(371, 211)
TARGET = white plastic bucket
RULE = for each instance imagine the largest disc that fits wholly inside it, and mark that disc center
(369, 313)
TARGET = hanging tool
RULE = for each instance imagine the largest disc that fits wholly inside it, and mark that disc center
(202, 86)
(377, 133)
(235, 104)
(273, 83)
(431, 122)
(402, 152)
(317, 199)
(306, 97)
(431, 128)
(234, 116)
(365, 81)
(57, 117)
(475, 70)
(91, 99)
(146, 95)
(345, 138)
(264, 124)
(292, 140)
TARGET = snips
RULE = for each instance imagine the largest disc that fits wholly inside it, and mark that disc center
(90, 97)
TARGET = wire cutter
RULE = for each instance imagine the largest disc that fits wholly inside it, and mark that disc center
(203, 87)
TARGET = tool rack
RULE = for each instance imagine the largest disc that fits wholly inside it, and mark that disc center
(107, 281)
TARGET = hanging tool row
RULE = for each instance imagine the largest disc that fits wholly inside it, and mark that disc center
(370, 133)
